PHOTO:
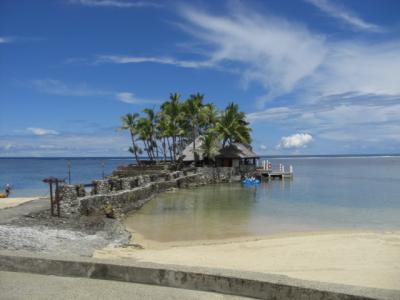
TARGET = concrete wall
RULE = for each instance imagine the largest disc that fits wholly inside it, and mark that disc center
(256, 285)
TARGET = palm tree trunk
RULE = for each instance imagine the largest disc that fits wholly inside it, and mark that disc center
(169, 148)
(194, 146)
(135, 148)
(164, 149)
(174, 146)
(146, 145)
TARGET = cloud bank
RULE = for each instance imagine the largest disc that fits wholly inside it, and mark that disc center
(285, 57)
(295, 141)
(42, 131)
(130, 98)
(115, 3)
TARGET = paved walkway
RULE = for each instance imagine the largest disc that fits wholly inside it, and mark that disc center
(34, 287)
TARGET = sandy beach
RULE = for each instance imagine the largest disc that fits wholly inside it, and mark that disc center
(369, 259)
(11, 202)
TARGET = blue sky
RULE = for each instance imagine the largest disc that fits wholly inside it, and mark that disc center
(313, 76)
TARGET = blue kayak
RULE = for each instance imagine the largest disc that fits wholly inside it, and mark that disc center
(250, 181)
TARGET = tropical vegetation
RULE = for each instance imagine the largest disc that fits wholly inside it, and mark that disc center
(163, 134)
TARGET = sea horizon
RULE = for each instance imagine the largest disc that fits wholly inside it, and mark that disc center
(161, 158)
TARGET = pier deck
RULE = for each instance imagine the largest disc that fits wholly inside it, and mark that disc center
(272, 174)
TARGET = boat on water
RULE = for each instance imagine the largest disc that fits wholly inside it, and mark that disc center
(250, 181)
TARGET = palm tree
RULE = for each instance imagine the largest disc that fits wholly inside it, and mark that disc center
(209, 145)
(233, 127)
(162, 132)
(144, 132)
(129, 122)
(172, 110)
(210, 115)
(194, 114)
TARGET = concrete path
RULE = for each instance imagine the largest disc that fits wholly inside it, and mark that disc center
(31, 286)
(9, 214)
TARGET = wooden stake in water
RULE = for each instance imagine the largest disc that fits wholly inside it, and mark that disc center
(69, 172)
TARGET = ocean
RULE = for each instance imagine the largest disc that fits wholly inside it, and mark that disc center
(326, 192)
(26, 174)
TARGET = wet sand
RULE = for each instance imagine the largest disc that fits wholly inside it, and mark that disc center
(11, 202)
(369, 259)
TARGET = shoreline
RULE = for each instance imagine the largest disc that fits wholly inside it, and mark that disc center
(361, 258)
(138, 239)
(15, 201)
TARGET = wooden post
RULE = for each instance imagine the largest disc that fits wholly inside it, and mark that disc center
(69, 172)
(51, 199)
(57, 196)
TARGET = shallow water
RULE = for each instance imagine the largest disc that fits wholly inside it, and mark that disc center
(325, 194)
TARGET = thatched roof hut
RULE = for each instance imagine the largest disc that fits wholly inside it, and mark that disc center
(233, 154)
(237, 150)
(187, 153)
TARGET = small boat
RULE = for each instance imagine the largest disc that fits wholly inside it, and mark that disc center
(250, 181)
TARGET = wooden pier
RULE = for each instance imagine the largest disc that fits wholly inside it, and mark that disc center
(270, 174)
(267, 173)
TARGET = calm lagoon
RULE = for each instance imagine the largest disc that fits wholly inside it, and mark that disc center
(327, 193)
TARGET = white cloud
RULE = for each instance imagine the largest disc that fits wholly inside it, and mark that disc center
(130, 98)
(263, 147)
(103, 142)
(5, 40)
(115, 3)
(295, 141)
(344, 15)
(271, 51)
(286, 57)
(121, 59)
(8, 147)
(42, 131)
(57, 87)
(355, 118)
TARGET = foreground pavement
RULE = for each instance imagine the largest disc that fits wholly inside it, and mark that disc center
(32, 286)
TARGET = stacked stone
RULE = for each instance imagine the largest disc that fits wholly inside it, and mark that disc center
(80, 190)
(69, 203)
(101, 187)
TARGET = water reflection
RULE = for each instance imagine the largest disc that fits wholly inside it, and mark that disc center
(325, 194)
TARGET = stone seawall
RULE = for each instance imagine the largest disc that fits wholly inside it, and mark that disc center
(113, 197)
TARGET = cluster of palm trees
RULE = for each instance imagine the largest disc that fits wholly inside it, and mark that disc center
(164, 134)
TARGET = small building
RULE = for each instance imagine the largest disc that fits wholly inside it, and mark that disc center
(236, 155)
(187, 155)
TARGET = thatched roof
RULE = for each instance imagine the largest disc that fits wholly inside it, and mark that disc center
(237, 150)
(188, 154)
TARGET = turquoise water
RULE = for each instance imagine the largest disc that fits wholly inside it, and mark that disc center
(26, 174)
(326, 193)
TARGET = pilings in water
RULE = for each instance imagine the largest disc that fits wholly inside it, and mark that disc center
(268, 173)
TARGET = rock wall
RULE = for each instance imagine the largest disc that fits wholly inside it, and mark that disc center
(116, 196)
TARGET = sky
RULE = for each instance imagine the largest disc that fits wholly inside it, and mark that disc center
(312, 76)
